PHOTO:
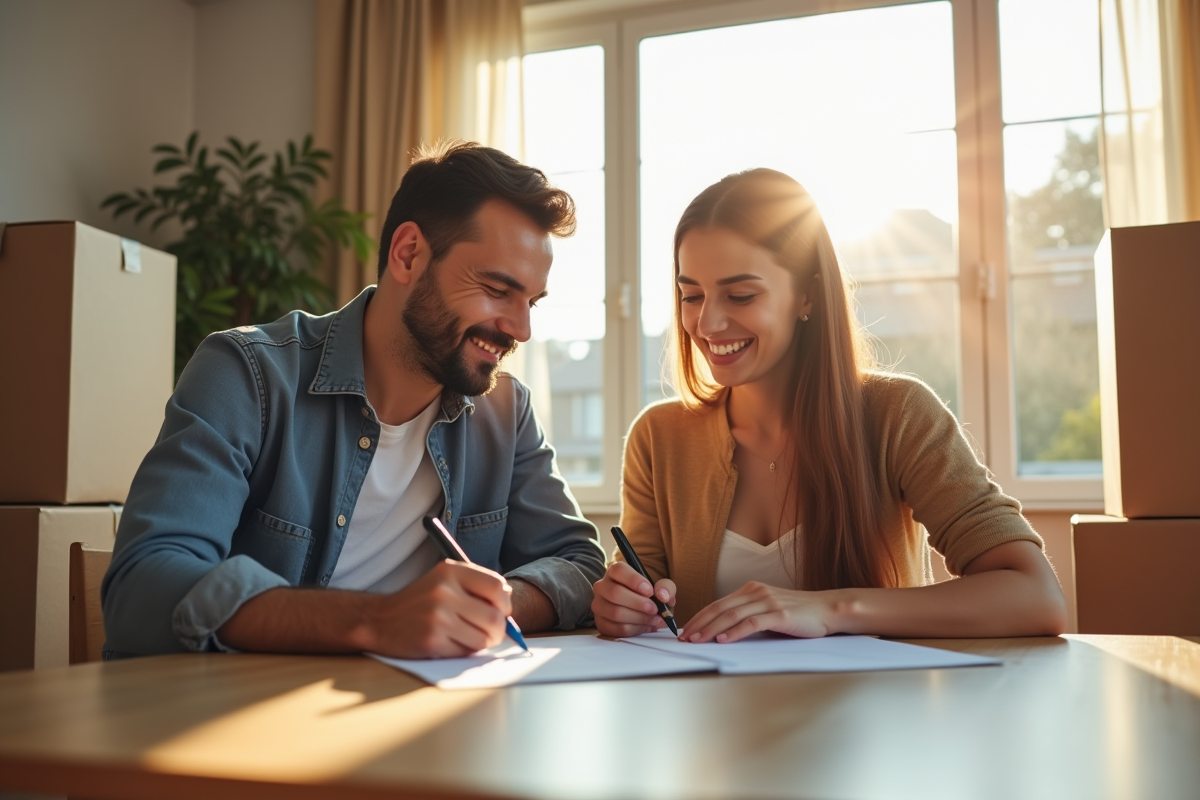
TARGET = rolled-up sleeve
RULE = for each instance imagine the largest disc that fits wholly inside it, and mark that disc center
(548, 542)
(171, 583)
(940, 478)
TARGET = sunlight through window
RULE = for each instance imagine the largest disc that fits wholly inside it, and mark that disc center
(564, 136)
(858, 106)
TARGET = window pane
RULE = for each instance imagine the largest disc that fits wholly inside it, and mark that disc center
(1057, 372)
(913, 332)
(563, 363)
(1052, 175)
(858, 106)
(915, 236)
(564, 109)
(1049, 59)
(577, 407)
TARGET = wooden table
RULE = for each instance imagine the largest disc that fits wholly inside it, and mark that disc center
(1081, 716)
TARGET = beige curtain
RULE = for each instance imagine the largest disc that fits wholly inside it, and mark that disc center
(1150, 123)
(393, 74)
(1188, 59)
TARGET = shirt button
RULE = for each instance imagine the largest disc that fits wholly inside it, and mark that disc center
(364, 443)
(449, 515)
(341, 520)
(366, 413)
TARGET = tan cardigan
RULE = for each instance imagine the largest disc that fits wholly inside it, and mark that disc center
(679, 480)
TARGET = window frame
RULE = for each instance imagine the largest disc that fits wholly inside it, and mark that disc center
(986, 377)
(1081, 494)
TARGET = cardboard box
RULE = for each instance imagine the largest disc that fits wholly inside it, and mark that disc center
(35, 588)
(1148, 301)
(1137, 576)
(88, 361)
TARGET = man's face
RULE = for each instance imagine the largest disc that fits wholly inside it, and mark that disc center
(469, 310)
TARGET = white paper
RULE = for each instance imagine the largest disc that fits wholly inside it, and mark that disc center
(561, 659)
(763, 653)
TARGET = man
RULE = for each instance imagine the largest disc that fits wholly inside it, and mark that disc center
(281, 507)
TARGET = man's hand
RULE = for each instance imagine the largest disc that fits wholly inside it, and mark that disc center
(453, 610)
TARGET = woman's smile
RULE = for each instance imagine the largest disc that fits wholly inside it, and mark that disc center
(723, 352)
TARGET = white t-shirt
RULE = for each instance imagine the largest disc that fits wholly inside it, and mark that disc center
(386, 545)
(742, 560)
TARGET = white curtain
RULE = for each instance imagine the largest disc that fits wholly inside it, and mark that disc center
(1150, 133)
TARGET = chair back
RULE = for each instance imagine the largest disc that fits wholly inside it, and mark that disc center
(88, 566)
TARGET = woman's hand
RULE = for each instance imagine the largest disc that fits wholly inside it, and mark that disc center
(759, 607)
(622, 604)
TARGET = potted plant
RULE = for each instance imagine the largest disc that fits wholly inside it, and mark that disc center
(252, 235)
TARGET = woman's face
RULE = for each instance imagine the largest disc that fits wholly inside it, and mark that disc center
(738, 305)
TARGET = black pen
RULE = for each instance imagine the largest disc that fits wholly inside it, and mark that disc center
(631, 558)
(450, 549)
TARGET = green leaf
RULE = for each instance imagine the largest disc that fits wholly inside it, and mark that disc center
(169, 163)
(161, 218)
(125, 208)
(250, 233)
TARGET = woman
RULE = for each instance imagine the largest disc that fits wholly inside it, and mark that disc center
(791, 487)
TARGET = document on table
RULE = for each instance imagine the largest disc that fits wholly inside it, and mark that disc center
(563, 659)
(762, 653)
(558, 659)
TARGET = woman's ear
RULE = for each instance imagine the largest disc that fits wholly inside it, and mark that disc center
(405, 254)
(804, 305)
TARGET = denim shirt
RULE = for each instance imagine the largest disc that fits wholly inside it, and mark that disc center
(253, 481)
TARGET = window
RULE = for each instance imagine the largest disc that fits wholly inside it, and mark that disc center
(1050, 80)
(950, 144)
(882, 168)
(564, 362)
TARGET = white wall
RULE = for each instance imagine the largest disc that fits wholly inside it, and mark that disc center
(86, 89)
(255, 61)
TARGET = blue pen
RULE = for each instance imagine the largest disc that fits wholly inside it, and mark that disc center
(452, 551)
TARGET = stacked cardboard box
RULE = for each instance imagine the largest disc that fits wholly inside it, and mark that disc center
(1137, 569)
(88, 323)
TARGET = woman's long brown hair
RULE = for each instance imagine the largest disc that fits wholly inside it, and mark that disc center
(835, 498)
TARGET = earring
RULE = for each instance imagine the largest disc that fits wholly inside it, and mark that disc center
(804, 317)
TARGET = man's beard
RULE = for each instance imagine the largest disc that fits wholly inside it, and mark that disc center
(439, 350)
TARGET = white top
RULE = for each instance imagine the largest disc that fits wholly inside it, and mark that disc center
(742, 560)
(386, 545)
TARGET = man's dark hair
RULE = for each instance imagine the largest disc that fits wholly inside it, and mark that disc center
(448, 182)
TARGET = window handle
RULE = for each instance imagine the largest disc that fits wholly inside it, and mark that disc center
(625, 301)
(986, 272)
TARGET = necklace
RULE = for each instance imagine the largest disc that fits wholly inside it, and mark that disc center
(770, 463)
